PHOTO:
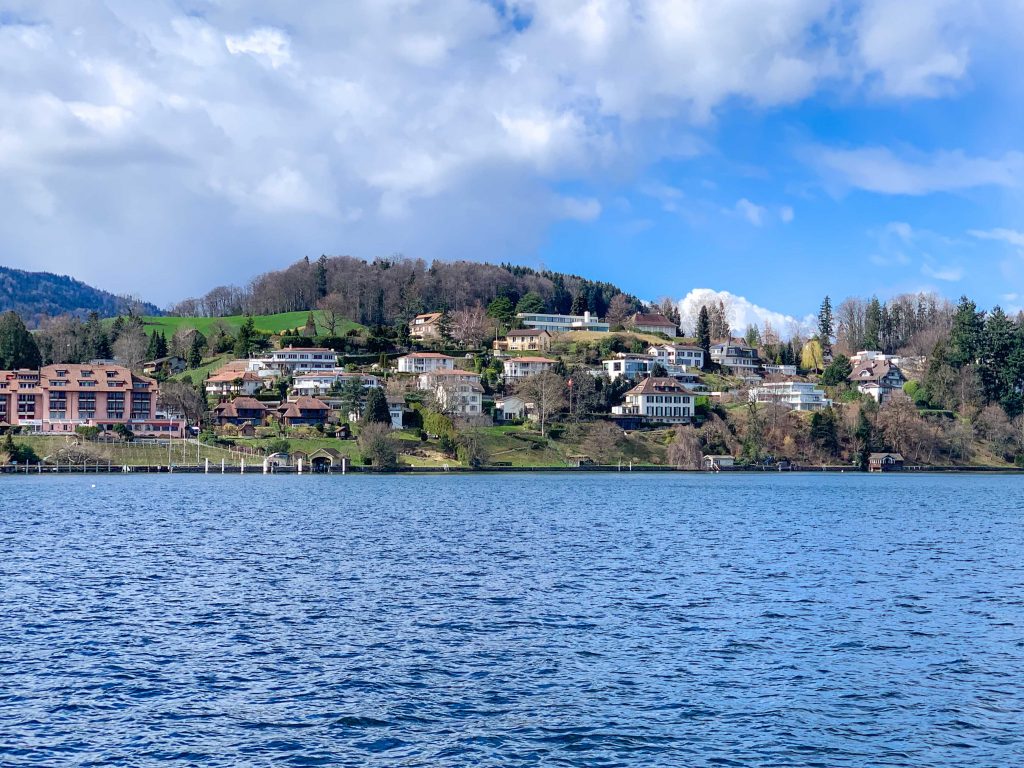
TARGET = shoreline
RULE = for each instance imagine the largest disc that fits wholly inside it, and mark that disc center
(258, 469)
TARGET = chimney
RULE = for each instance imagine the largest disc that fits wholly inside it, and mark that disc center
(586, 317)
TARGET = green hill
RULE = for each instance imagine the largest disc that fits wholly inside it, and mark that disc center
(266, 323)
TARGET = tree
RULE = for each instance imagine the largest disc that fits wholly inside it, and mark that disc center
(503, 311)
(157, 347)
(864, 438)
(619, 310)
(811, 357)
(353, 396)
(245, 341)
(825, 324)
(604, 442)
(17, 347)
(376, 410)
(965, 337)
(471, 327)
(309, 330)
(531, 303)
(823, 431)
(184, 398)
(472, 448)
(321, 276)
(444, 328)
(873, 325)
(658, 370)
(579, 304)
(837, 372)
(377, 444)
(131, 346)
(685, 450)
(704, 334)
(96, 339)
(195, 350)
(547, 393)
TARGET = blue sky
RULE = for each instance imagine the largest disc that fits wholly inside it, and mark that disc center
(775, 149)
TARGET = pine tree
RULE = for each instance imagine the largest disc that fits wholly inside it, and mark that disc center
(999, 341)
(321, 276)
(579, 304)
(704, 334)
(873, 324)
(376, 411)
(825, 326)
(195, 351)
(17, 347)
(245, 342)
(965, 338)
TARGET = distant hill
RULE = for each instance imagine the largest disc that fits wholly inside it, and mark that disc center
(35, 295)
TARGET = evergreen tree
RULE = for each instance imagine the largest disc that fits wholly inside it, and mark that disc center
(309, 330)
(97, 343)
(503, 310)
(376, 410)
(704, 334)
(824, 433)
(195, 351)
(865, 438)
(531, 303)
(321, 276)
(999, 341)
(579, 304)
(17, 347)
(444, 328)
(245, 342)
(873, 324)
(837, 372)
(965, 337)
(825, 326)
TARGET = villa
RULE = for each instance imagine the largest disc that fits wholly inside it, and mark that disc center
(292, 360)
(657, 400)
(877, 379)
(737, 355)
(424, 362)
(683, 355)
(562, 323)
(798, 395)
(426, 327)
(523, 367)
(652, 323)
(524, 340)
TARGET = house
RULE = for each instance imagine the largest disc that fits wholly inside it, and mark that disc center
(423, 362)
(510, 408)
(57, 398)
(325, 459)
(430, 381)
(320, 383)
(524, 340)
(627, 366)
(291, 360)
(522, 367)
(426, 327)
(304, 411)
(737, 355)
(798, 395)
(885, 462)
(168, 366)
(460, 397)
(652, 323)
(878, 379)
(717, 462)
(778, 369)
(657, 400)
(232, 382)
(682, 355)
(396, 409)
(241, 410)
(562, 323)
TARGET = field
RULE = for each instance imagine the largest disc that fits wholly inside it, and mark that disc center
(628, 336)
(139, 453)
(266, 323)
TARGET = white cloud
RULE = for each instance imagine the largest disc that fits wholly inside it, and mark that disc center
(751, 211)
(265, 43)
(741, 312)
(247, 135)
(949, 274)
(787, 214)
(879, 169)
(1009, 236)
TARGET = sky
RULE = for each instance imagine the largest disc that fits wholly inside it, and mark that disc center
(777, 150)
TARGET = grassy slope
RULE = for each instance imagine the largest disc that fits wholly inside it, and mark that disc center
(266, 323)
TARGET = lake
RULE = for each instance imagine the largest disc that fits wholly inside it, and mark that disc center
(570, 619)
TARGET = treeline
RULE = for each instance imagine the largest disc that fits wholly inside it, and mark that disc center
(38, 295)
(385, 291)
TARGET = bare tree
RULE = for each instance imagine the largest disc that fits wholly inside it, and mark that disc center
(685, 450)
(131, 346)
(182, 398)
(471, 326)
(619, 310)
(332, 312)
(547, 393)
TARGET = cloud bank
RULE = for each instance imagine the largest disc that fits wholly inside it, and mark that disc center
(741, 313)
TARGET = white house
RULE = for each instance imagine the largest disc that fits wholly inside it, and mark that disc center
(562, 323)
(294, 360)
(660, 400)
(654, 322)
(522, 367)
(426, 327)
(509, 408)
(422, 362)
(678, 354)
(460, 397)
(232, 381)
(779, 369)
(396, 407)
(431, 379)
(798, 395)
(878, 379)
(316, 384)
(627, 366)
(737, 355)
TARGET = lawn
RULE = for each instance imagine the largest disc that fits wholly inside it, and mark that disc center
(266, 323)
(210, 364)
(137, 453)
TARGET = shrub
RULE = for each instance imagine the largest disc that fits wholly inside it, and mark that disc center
(278, 445)
(378, 446)
(89, 433)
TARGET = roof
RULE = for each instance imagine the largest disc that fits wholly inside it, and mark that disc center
(159, 360)
(232, 375)
(880, 456)
(530, 360)
(687, 347)
(872, 370)
(303, 349)
(107, 377)
(424, 355)
(452, 372)
(232, 407)
(304, 403)
(654, 385)
(429, 317)
(527, 332)
(655, 318)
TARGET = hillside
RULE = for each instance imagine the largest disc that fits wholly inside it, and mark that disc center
(275, 323)
(34, 295)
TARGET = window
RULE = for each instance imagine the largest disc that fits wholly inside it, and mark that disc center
(26, 406)
(87, 405)
(115, 405)
(58, 405)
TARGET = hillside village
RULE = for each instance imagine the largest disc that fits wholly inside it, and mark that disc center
(514, 383)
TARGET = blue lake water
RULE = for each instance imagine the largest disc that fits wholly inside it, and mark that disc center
(596, 620)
